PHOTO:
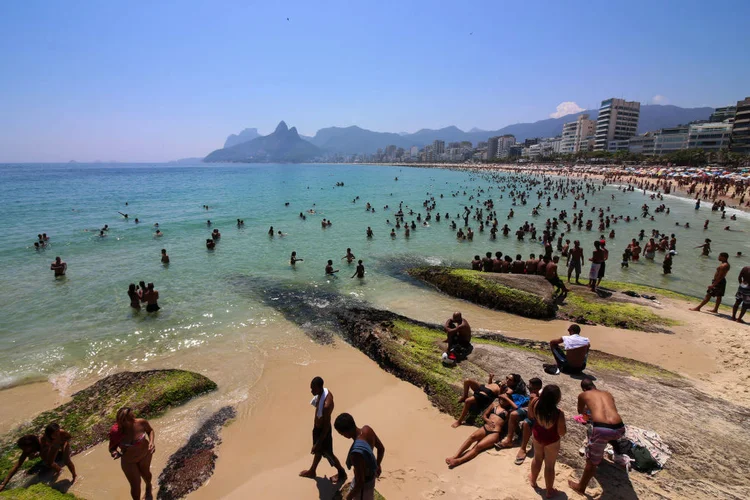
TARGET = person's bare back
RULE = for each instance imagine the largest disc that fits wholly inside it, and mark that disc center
(602, 406)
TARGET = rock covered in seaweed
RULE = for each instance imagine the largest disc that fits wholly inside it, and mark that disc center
(190, 467)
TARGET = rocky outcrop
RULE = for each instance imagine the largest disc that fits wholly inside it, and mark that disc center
(529, 296)
(193, 464)
(36, 492)
(91, 412)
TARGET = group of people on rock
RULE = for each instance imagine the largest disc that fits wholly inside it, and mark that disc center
(131, 440)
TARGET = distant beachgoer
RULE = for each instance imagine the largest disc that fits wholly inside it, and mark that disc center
(572, 360)
(360, 272)
(293, 259)
(549, 427)
(270, 232)
(742, 298)
(55, 449)
(210, 244)
(30, 448)
(553, 278)
(158, 233)
(329, 269)
(164, 256)
(59, 266)
(322, 433)
(718, 286)
(369, 232)
(151, 297)
(459, 333)
(135, 299)
(706, 247)
(607, 426)
(476, 264)
(133, 441)
(216, 235)
(367, 467)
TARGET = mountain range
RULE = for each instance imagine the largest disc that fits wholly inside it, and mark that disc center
(284, 145)
(356, 140)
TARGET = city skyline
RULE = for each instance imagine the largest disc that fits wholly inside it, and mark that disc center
(89, 81)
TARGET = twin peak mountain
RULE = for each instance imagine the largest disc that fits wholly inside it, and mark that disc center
(284, 145)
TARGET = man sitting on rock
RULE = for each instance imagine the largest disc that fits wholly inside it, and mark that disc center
(459, 337)
(571, 360)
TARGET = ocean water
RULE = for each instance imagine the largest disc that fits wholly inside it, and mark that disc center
(82, 324)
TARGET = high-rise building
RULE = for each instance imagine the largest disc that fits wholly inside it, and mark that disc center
(722, 114)
(390, 151)
(618, 120)
(414, 151)
(709, 136)
(741, 128)
(642, 144)
(492, 147)
(575, 136)
(438, 147)
(668, 140)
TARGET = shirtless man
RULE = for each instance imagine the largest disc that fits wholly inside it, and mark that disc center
(573, 359)
(55, 449)
(349, 256)
(322, 436)
(606, 424)
(293, 259)
(151, 298)
(329, 269)
(706, 247)
(360, 272)
(553, 278)
(743, 295)
(59, 267)
(719, 284)
(458, 330)
(164, 256)
(575, 261)
(531, 264)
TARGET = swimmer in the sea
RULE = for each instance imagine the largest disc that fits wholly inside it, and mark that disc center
(293, 259)
(349, 256)
(59, 266)
(329, 269)
(360, 272)
(164, 256)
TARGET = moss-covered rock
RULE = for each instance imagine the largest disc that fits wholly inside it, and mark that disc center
(36, 492)
(192, 465)
(529, 296)
(91, 412)
(587, 308)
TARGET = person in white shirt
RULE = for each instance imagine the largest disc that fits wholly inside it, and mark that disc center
(570, 352)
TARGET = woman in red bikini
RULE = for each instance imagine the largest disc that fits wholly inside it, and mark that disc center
(549, 427)
(136, 441)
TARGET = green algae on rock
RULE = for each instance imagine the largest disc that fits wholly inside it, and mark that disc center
(529, 296)
(91, 412)
(36, 492)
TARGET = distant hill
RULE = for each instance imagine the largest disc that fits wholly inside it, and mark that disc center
(246, 135)
(283, 145)
(356, 140)
(185, 161)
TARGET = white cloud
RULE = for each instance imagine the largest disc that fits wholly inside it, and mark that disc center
(659, 99)
(566, 108)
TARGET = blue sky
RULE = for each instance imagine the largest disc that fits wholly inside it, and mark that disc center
(155, 81)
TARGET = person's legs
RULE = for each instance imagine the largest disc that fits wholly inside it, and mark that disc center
(475, 436)
(703, 303)
(718, 303)
(144, 469)
(484, 444)
(560, 358)
(550, 457)
(536, 464)
(512, 424)
(526, 435)
(133, 476)
(468, 384)
(736, 306)
(340, 477)
(588, 473)
(68, 461)
(313, 470)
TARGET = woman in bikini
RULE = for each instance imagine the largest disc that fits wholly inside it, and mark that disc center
(483, 394)
(135, 439)
(549, 427)
(485, 437)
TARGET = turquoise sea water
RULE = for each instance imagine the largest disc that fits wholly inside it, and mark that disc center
(83, 321)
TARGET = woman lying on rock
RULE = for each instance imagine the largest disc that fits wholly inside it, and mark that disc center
(483, 395)
(136, 441)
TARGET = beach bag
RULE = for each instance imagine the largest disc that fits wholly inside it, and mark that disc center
(643, 461)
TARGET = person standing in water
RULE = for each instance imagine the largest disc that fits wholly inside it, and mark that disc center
(329, 269)
(59, 266)
(151, 297)
(367, 467)
(164, 256)
(349, 256)
(360, 272)
(135, 299)
(133, 441)
(718, 286)
(322, 432)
